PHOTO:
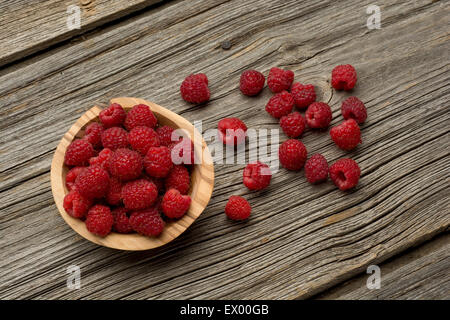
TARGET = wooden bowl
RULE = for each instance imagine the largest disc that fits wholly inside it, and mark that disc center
(202, 180)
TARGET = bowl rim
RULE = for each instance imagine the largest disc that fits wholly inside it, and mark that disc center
(202, 182)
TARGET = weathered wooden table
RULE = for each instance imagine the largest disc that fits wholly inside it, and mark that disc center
(301, 240)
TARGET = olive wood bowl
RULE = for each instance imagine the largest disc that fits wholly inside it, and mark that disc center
(202, 180)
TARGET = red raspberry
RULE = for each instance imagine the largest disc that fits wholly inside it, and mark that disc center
(99, 220)
(194, 88)
(280, 104)
(279, 79)
(347, 135)
(343, 77)
(158, 162)
(139, 194)
(92, 182)
(251, 82)
(237, 208)
(345, 173)
(140, 116)
(232, 131)
(125, 164)
(147, 222)
(179, 179)
(76, 205)
(257, 176)
(165, 135)
(177, 150)
(316, 169)
(142, 138)
(102, 159)
(174, 204)
(71, 176)
(113, 116)
(292, 154)
(318, 115)
(93, 134)
(304, 94)
(115, 138)
(78, 153)
(114, 195)
(353, 108)
(293, 124)
(121, 221)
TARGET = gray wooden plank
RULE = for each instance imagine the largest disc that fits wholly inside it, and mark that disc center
(31, 26)
(421, 273)
(315, 236)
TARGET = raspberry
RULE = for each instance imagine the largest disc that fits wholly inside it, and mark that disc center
(293, 124)
(93, 134)
(232, 131)
(76, 205)
(257, 176)
(115, 138)
(92, 182)
(174, 204)
(194, 88)
(292, 154)
(102, 159)
(316, 169)
(178, 149)
(345, 173)
(179, 179)
(347, 135)
(114, 195)
(280, 104)
(158, 162)
(139, 194)
(353, 108)
(251, 82)
(237, 208)
(78, 153)
(125, 164)
(318, 115)
(279, 79)
(113, 116)
(99, 220)
(304, 94)
(121, 221)
(71, 176)
(165, 135)
(343, 77)
(147, 222)
(140, 116)
(142, 138)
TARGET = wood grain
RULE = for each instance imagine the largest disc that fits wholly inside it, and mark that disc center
(421, 273)
(201, 177)
(301, 239)
(31, 26)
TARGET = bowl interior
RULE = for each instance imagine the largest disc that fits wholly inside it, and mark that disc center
(202, 180)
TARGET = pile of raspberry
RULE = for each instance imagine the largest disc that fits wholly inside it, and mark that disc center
(121, 176)
(289, 99)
